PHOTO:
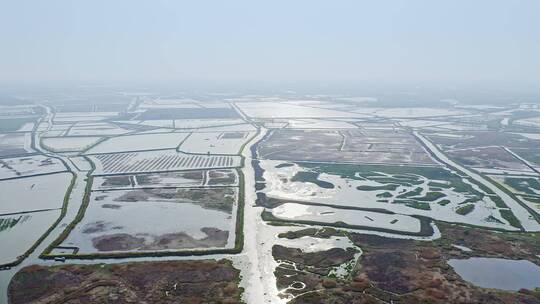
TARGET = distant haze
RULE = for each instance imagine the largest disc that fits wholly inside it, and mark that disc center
(487, 43)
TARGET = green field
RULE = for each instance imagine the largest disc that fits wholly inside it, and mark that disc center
(511, 218)
(525, 185)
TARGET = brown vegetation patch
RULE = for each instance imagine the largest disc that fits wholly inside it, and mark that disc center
(488, 157)
(180, 240)
(366, 146)
(221, 177)
(221, 199)
(205, 281)
(310, 268)
(117, 242)
(215, 238)
(111, 206)
(116, 181)
(408, 271)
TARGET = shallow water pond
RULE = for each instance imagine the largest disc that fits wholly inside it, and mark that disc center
(498, 273)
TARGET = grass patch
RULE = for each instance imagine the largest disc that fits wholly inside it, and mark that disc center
(385, 194)
(418, 205)
(439, 185)
(464, 210)
(283, 165)
(390, 187)
(525, 185)
(511, 218)
(532, 199)
(8, 223)
(493, 219)
(470, 200)
(444, 202)
(498, 201)
(413, 204)
(311, 177)
(402, 175)
(408, 194)
(431, 196)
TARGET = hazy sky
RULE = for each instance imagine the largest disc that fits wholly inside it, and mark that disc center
(409, 41)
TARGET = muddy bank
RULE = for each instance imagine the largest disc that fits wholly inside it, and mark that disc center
(426, 227)
(122, 241)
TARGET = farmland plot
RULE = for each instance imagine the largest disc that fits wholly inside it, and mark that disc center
(297, 144)
(54, 130)
(275, 123)
(139, 143)
(520, 184)
(484, 149)
(159, 161)
(532, 201)
(27, 127)
(151, 180)
(96, 129)
(527, 189)
(350, 146)
(282, 110)
(78, 116)
(195, 124)
(535, 136)
(478, 126)
(223, 177)
(124, 220)
(205, 123)
(69, 144)
(188, 113)
(400, 147)
(215, 142)
(29, 165)
(416, 112)
(19, 232)
(66, 108)
(166, 123)
(15, 123)
(419, 123)
(15, 144)
(90, 107)
(34, 193)
(169, 103)
(62, 127)
(530, 155)
(488, 157)
(245, 127)
(483, 139)
(10, 111)
(529, 122)
(318, 124)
